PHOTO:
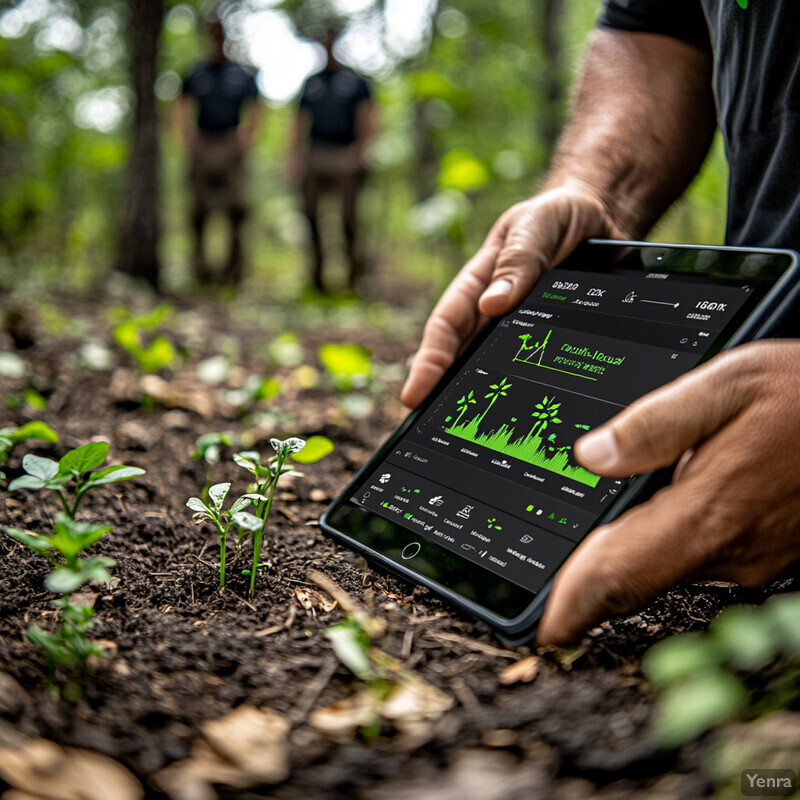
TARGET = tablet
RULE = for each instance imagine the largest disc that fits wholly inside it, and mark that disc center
(477, 495)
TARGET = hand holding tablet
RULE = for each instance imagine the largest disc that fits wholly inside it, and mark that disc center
(479, 494)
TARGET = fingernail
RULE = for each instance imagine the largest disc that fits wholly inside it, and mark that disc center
(598, 450)
(500, 288)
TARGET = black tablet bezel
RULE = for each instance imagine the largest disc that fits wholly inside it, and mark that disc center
(466, 584)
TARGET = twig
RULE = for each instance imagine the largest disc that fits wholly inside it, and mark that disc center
(472, 644)
(408, 639)
(373, 626)
(465, 695)
(314, 690)
(290, 619)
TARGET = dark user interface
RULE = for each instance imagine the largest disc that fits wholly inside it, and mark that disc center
(488, 470)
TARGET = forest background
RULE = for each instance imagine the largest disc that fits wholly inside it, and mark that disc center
(471, 98)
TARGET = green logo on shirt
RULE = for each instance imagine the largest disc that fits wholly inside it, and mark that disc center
(742, 3)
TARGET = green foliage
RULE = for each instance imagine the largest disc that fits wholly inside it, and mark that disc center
(69, 646)
(352, 644)
(134, 334)
(76, 466)
(348, 365)
(265, 478)
(701, 678)
(36, 430)
(222, 518)
(317, 447)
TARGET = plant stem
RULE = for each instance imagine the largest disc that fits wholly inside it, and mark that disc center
(64, 503)
(260, 533)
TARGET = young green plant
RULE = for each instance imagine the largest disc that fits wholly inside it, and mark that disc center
(76, 466)
(223, 519)
(69, 645)
(266, 478)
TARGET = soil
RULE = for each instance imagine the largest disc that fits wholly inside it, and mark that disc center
(185, 653)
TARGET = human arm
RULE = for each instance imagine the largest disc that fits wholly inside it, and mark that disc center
(641, 126)
(732, 511)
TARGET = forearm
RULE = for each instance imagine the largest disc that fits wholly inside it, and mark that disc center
(642, 123)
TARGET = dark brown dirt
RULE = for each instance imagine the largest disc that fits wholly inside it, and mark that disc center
(187, 653)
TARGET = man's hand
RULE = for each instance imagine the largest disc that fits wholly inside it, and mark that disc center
(530, 238)
(732, 511)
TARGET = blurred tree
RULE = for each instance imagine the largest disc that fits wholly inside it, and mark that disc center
(140, 222)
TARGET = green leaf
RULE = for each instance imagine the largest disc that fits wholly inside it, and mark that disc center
(247, 521)
(248, 459)
(783, 613)
(705, 699)
(351, 644)
(71, 537)
(287, 447)
(349, 365)
(678, 657)
(242, 502)
(64, 580)
(745, 637)
(158, 354)
(83, 458)
(35, 430)
(196, 504)
(114, 474)
(26, 482)
(317, 447)
(38, 543)
(217, 494)
(42, 468)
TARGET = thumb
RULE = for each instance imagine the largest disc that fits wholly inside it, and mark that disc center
(535, 236)
(657, 429)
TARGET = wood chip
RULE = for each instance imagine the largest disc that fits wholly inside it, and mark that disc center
(470, 644)
(269, 631)
(522, 671)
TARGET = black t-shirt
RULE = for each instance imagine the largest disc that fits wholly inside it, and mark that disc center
(757, 85)
(220, 89)
(331, 98)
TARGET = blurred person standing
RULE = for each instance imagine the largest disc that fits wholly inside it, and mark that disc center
(332, 128)
(218, 117)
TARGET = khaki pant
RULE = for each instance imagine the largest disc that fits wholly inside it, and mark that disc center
(333, 169)
(217, 182)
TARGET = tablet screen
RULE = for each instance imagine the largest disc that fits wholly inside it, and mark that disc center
(481, 492)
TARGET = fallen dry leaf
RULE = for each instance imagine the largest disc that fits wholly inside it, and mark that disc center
(310, 599)
(345, 716)
(48, 771)
(522, 671)
(415, 700)
(246, 748)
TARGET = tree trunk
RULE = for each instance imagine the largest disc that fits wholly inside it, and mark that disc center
(140, 224)
(548, 15)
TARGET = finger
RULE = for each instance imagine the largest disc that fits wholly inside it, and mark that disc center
(540, 235)
(622, 566)
(452, 323)
(659, 428)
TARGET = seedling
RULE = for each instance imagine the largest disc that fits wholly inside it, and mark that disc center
(266, 481)
(222, 519)
(261, 492)
(30, 430)
(133, 331)
(69, 645)
(77, 466)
